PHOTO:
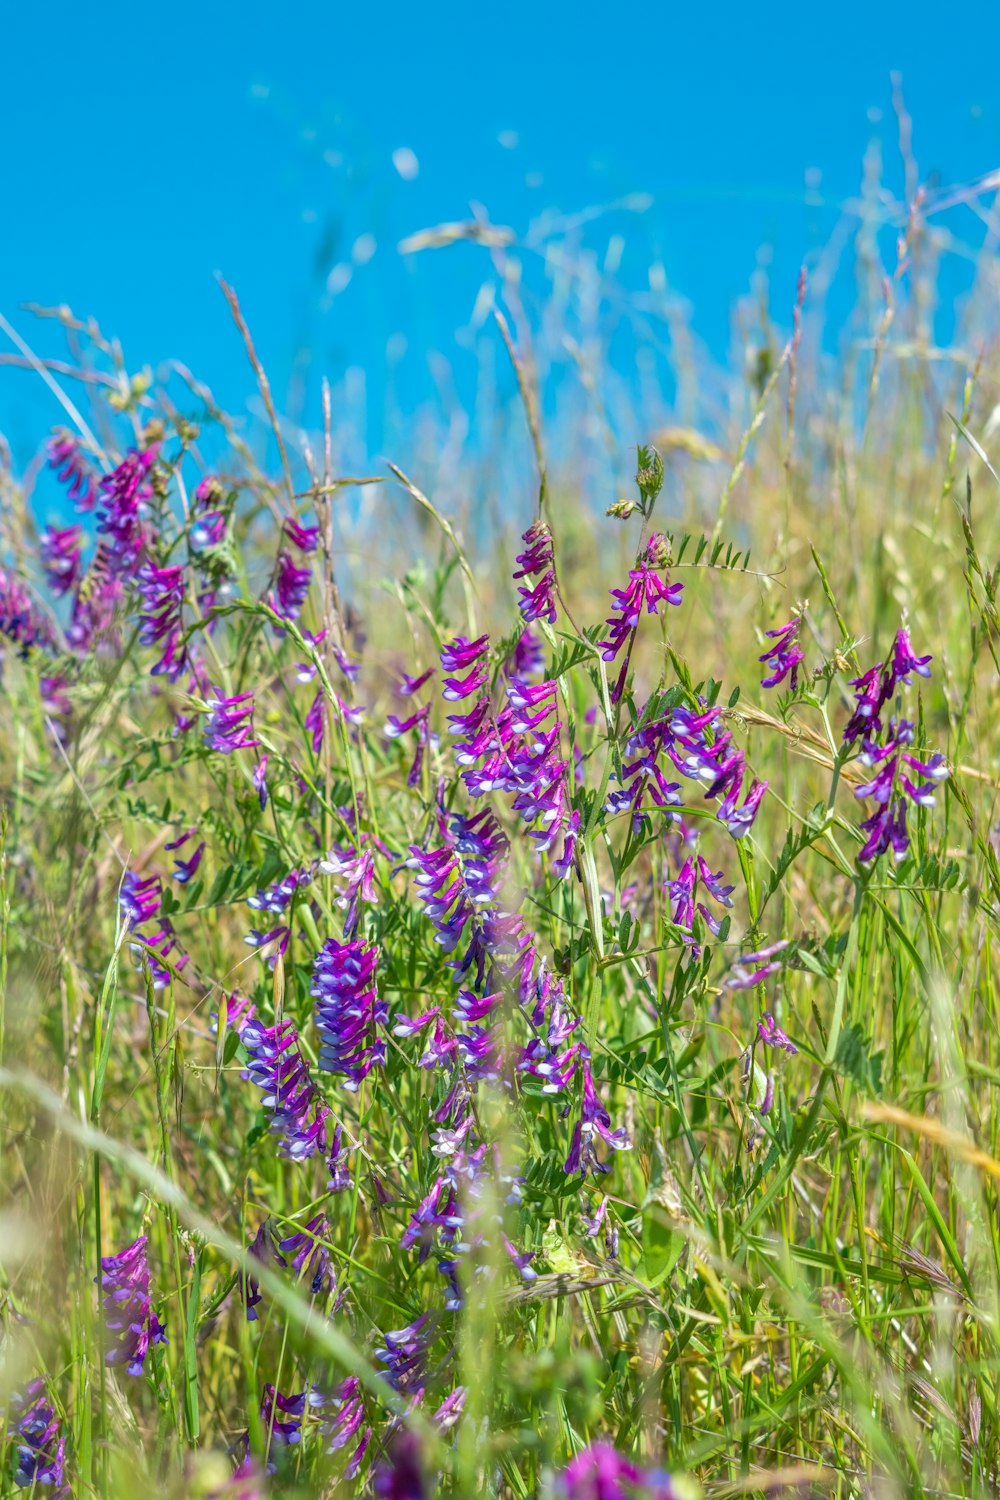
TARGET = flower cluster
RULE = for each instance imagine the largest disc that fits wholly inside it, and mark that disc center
(901, 778)
(140, 901)
(645, 590)
(162, 594)
(65, 456)
(124, 496)
(128, 1316)
(785, 656)
(294, 1111)
(60, 551)
(537, 601)
(38, 1439)
(348, 1010)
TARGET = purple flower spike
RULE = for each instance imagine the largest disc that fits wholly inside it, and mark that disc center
(124, 495)
(348, 1011)
(308, 1253)
(64, 455)
(404, 1355)
(229, 726)
(290, 588)
(162, 593)
(41, 1448)
(784, 656)
(263, 1250)
(645, 590)
(292, 1107)
(59, 552)
(131, 1325)
(260, 782)
(772, 1035)
(306, 538)
(537, 601)
(282, 1415)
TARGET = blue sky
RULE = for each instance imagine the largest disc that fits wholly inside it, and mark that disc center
(147, 149)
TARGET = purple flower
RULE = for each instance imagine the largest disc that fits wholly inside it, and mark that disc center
(772, 1035)
(276, 896)
(20, 619)
(185, 869)
(463, 655)
(65, 456)
(348, 1010)
(404, 1355)
(124, 495)
(262, 1249)
(290, 587)
(162, 592)
(537, 601)
(904, 661)
(229, 726)
(785, 655)
(35, 1429)
(282, 1415)
(292, 1107)
(60, 552)
(399, 1475)
(338, 1163)
(309, 1253)
(315, 721)
(644, 590)
(746, 977)
(411, 685)
(260, 782)
(599, 1473)
(132, 1326)
(528, 657)
(139, 900)
(306, 538)
(594, 1121)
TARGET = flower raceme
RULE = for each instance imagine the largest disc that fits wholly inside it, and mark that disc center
(536, 601)
(645, 590)
(294, 1111)
(37, 1435)
(785, 656)
(131, 1324)
(348, 1011)
(901, 778)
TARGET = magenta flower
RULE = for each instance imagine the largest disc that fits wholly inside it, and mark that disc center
(784, 656)
(290, 588)
(124, 495)
(752, 969)
(291, 1105)
(348, 1010)
(229, 726)
(772, 1035)
(306, 538)
(20, 620)
(260, 782)
(124, 1283)
(65, 456)
(59, 552)
(263, 1250)
(35, 1430)
(162, 593)
(537, 600)
(645, 590)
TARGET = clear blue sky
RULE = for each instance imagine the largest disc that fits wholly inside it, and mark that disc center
(147, 148)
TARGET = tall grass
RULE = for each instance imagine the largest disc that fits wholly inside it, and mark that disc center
(793, 1282)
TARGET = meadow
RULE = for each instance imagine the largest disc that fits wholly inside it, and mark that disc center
(497, 988)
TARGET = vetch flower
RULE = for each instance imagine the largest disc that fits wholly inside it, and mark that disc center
(785, 655)
(59, 552)
(644, 590)
(752, 969)
(294, 1112)
(229, 726)
(772, 1035)
(308, 1253)
(348, 1010)
(162, 593)
(65, 456)
(537, 601)
(131, 1324)
(306, 538)
(124, 495)
(264, 1250)
(36, 1432)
